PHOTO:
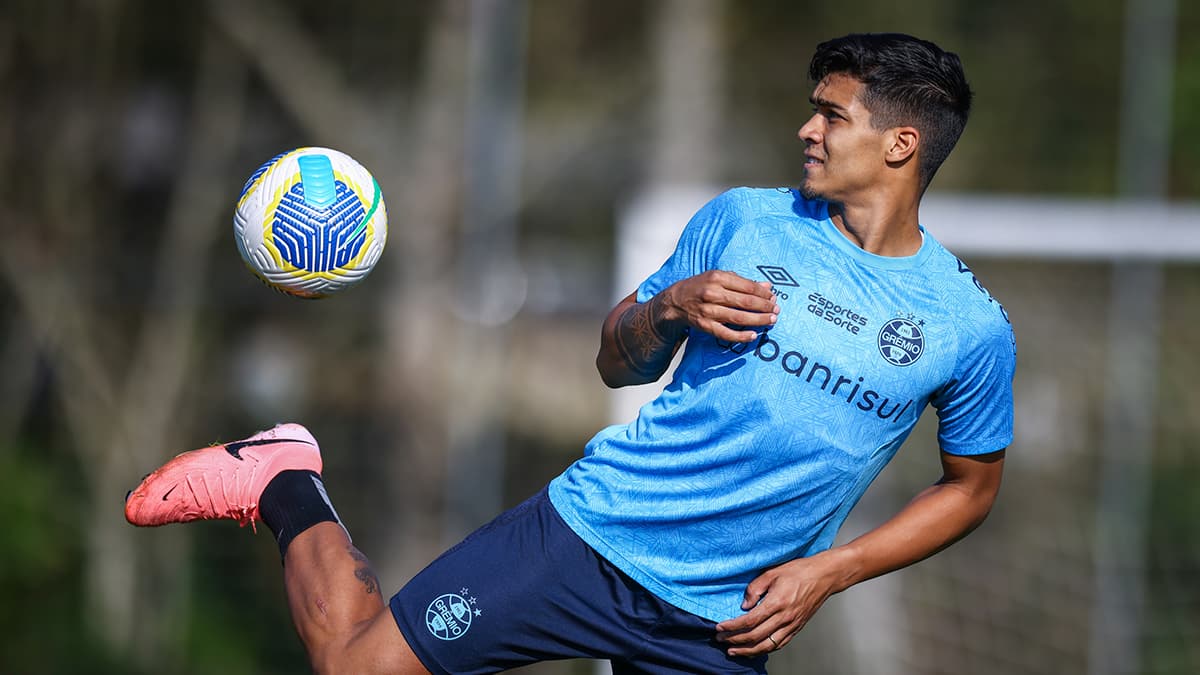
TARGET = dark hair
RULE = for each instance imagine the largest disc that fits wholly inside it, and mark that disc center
(906, 82)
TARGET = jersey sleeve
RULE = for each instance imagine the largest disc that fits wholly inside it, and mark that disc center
(699, 245)
(975, 409)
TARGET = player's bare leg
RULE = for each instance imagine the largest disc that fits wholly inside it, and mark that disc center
(339, 609)
(336, 602)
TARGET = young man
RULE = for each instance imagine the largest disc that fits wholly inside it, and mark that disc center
(817, 324)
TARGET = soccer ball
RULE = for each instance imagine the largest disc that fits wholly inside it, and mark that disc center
(311, 222)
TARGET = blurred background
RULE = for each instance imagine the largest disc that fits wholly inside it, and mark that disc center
(538, 158)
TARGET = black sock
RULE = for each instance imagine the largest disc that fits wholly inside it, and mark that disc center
(293, 502)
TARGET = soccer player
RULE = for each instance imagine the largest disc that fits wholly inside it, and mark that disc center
(817, 324)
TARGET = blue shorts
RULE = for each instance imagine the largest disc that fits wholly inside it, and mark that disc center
(526, 588)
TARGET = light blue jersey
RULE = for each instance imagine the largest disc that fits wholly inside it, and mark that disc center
(755, 453)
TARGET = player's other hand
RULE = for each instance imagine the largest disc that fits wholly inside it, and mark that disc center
(721, 303)
(779, 603)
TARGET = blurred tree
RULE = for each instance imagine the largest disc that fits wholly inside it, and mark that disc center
(127, 126)
(120, 376)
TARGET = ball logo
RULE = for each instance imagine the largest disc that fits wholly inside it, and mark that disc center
(901, 342)
(449, 616)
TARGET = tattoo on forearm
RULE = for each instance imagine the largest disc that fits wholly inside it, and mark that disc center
(365, 574)
(643, 348)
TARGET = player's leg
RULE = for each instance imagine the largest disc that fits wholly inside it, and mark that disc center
(274, 475)
(338, 607)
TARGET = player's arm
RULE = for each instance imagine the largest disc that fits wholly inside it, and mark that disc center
(639, 338)
(782, 599)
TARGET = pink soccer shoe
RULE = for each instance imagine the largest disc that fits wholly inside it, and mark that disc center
(221, 481)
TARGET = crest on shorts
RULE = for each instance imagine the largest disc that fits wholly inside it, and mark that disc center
(449, 616)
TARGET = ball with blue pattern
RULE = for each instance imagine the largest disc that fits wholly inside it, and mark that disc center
(311, 222)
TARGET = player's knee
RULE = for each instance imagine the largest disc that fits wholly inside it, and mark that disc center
(375, 646)
(330, 659)
(337, 656)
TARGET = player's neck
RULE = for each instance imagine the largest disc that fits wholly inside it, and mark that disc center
(886, 227)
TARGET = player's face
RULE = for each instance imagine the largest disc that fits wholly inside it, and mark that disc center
(844, 156)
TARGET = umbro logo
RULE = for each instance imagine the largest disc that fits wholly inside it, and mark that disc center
(777, 275)
(779, 278)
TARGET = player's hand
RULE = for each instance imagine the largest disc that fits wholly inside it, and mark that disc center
(779, 603)
(721, 303)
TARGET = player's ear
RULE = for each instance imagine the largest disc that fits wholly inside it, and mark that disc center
(903, 143)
